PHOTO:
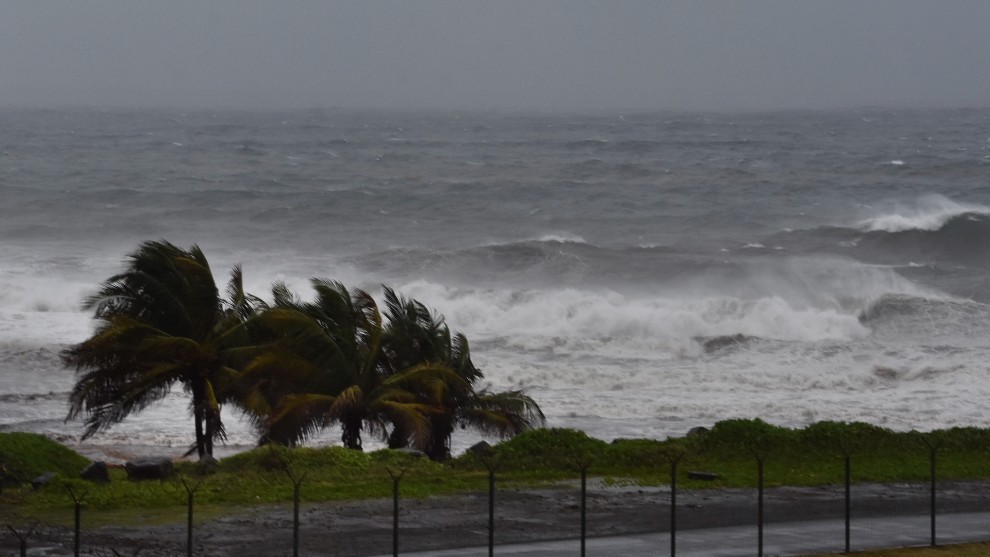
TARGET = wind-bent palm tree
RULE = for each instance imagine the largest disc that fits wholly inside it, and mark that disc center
(323, 368)
(414, 335)
(161, 322)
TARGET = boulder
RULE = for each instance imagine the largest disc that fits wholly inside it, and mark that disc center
(96, 472)
(715, 344)
(482, 448)
(42, 480)
(696, 431)
(149, 469)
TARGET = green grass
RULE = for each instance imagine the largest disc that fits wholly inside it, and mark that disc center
(799, 457)
(25, 456)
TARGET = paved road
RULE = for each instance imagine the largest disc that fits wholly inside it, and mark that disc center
(789, 538)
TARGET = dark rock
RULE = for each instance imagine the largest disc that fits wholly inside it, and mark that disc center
(42, 480)
(704, 476)
(149, 469)
(482, 448)
(696, 431)
(96, 472)
(714, 344)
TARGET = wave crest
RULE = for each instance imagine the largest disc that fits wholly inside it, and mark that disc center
(604, 323)
(903, 309)
(929, 213)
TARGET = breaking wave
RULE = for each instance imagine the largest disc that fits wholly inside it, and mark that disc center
(576, 321)
(936, 230)
(901, 308)
(929, 213)
(962, 238)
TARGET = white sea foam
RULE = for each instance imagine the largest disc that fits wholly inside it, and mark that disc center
(43, 310)
(929, 212)
(562, 238)
(609, 323)
(615, 363)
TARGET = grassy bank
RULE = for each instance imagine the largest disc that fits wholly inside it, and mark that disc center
(809, 456)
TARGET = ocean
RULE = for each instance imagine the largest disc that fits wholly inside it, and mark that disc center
(638, 274)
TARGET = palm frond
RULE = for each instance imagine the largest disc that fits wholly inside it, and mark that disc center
(297, 417)
(161, 321)
(504, 414)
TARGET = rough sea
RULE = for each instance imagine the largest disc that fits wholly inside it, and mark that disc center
(637, 274)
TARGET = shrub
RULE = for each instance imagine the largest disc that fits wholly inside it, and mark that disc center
(549, 449)
(639, 453)
(740, 437)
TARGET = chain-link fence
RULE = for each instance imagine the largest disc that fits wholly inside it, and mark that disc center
(586, 516)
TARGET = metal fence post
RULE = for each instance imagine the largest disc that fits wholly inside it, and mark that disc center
(582, 462)
(189, 523)
(933, 465)
(674, 456)
(487, 456)
(759, 449)
(848, 442)
(396, 478)
(295, 520)
(491, 512)
(190, 500)
(490, 465)
(932, 469)
(296, 483)
(22, 538)
(759, 505)
(395, 517)
(78, 500)
(848, 498)
(673, 506)
(584, 508)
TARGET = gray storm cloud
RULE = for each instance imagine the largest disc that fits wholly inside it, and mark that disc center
(545, 55)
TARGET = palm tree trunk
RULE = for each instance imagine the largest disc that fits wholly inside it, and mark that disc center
(198, 420)
(351, 436)
(398, 438)
(441, 429)
(210, 433)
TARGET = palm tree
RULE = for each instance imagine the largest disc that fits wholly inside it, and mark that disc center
(415, 335)
(322, 367)
(161, 322)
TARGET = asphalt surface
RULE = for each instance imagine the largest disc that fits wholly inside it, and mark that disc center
(779, 539)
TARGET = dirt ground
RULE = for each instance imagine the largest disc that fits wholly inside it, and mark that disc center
(361, 528)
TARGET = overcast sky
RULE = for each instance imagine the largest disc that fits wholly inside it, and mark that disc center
(496, 54)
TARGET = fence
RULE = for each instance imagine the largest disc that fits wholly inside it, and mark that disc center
(602, 520)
